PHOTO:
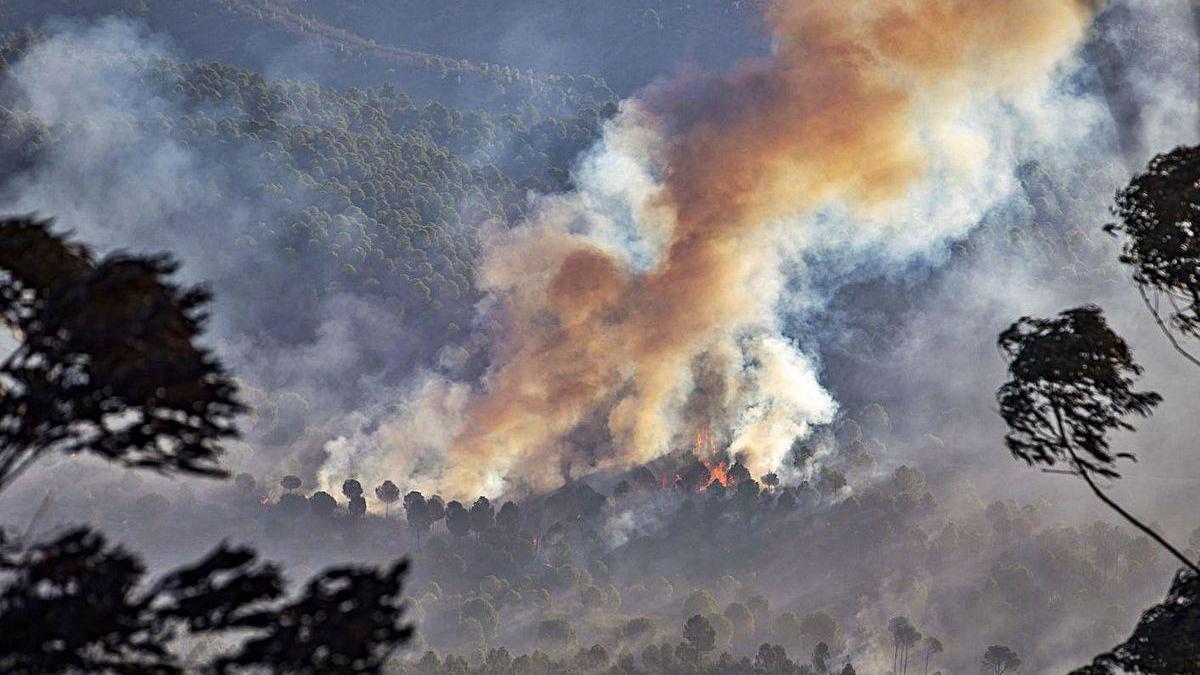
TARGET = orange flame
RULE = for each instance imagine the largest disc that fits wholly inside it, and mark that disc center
(717, 473)
(264, 501)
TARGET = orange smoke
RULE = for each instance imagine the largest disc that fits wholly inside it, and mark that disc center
(834, 114)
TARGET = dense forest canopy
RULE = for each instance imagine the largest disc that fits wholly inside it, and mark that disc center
(626, 337)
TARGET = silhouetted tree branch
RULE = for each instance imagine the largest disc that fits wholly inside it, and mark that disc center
(1071, 383)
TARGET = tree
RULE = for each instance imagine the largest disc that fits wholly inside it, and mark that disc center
(821, 627)
(352, 488)
(290, 483)
(347, 621)
(482, 516)
(820, 658)
(436, 507)
(353, 491)
(699, 602)
(509, 518)
(1166, 639)
(107, 360)
(245, 483)
(482, 611)
(121, 342)
(556, 632)
(904, 636)
(389, 494)
(933, 646)
(1156, 216)
(322, 504)
(637, 629)
(999, 659)
(698, 631)
(458, 521)
(75, 604)
(1071, 383)
(416, 511)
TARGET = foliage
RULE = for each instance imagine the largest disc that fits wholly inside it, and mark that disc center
(999, 659)
(112, 339)
(347, 621)
(1071, 384)
(107, 360)
(1166, 639)
(75, 604)
(1157, 215)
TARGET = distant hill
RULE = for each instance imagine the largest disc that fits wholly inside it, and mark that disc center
(272, 37)
(627, 42)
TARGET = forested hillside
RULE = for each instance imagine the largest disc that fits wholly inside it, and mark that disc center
(270, 36)
(371, 193)
(379, 194)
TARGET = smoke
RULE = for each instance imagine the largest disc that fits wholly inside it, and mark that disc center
(652, 292)
(116, 176)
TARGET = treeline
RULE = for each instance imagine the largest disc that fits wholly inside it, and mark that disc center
(557, 574)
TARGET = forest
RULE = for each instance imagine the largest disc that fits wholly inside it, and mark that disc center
(346, 336)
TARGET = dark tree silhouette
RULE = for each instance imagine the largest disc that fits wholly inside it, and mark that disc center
(389, 494)
(352, 488)
(1156, 223)
(416, 511)
(293, 505)
(699, 632)
(483, 516)
(290, 483)
(107, 363)
(322, 504)
(458, 521)
(245, 483)
(509, 518)
(1071, 383)
(999, 660)
(904, 636)
(347, 621)
(75, 604)
(1166, 639)
(436, 508)
(107, 360)
(353, 491)
(820, 658)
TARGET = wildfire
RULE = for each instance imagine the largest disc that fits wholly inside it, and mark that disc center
(705, 449)
(718, 472)
(704, 445)
(264, 501)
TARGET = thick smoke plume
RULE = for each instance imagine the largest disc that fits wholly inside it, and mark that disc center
(641, 310)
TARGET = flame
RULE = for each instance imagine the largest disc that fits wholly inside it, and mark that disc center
(718, 472)
(264, 501)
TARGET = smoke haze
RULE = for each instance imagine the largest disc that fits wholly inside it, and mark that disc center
(745, 259)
